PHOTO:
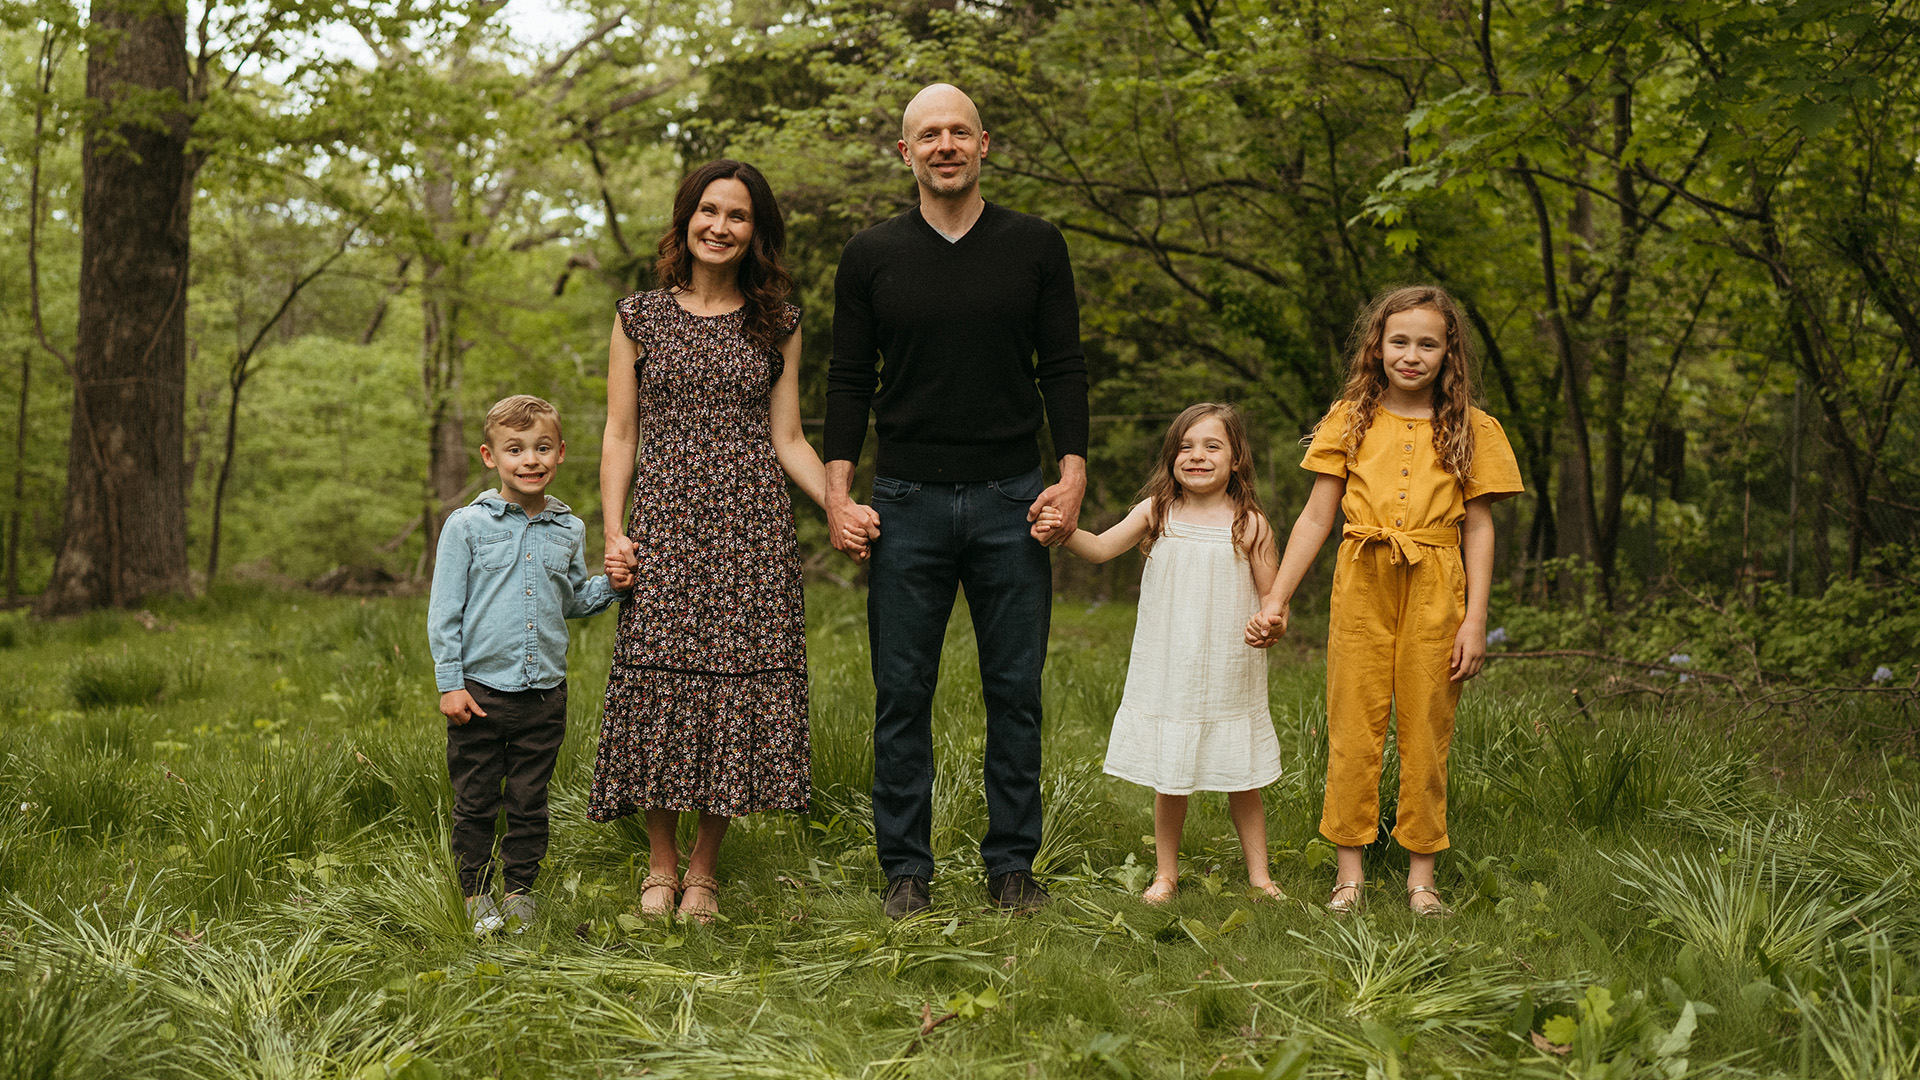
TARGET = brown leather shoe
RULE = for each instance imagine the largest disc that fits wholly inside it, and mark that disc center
(1016, 890)
(907, 895)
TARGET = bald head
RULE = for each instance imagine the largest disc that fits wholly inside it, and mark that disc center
(935, 102)
(942, 142)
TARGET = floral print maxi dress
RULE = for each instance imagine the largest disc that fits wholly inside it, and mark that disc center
(707, 700)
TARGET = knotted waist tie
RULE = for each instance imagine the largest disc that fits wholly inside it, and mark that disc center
(1403, 545)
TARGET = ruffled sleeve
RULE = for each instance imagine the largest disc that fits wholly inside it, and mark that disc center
(631, 317)
(1495, 471)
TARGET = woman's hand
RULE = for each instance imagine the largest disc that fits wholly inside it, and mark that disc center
(1469, 650)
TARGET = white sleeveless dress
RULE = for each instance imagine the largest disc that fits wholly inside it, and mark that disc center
(1194, 714)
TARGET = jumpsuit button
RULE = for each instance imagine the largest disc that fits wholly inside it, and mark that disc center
(1409, 446)
(1409, 427)
(1403, 472)
(1396, 521)
(1403, 494)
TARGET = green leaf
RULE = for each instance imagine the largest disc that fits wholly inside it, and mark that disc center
(1235, 920)
(1560, 1030)
(1403, 240)
(1816, 117)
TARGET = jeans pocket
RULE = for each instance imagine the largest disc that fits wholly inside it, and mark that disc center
(1023, 488)
(886, 489)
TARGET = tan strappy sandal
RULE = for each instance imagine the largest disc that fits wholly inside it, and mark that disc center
(1437, 910)
(700, 881)
(1351, 903)
(659, 881)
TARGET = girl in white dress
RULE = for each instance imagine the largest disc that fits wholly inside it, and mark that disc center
(1194, 716)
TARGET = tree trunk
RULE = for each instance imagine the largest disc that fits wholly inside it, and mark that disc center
(441, 364)
(1613, 398)
(14, 516)
(125, 530)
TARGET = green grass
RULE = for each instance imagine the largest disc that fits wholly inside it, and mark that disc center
(223, 853)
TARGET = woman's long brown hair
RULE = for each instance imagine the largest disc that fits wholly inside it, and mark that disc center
(763, 280)
(1453, 391)
(1163, 487)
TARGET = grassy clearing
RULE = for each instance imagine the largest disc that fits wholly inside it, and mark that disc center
(223, 853)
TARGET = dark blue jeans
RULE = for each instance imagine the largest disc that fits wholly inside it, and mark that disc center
(934, 537)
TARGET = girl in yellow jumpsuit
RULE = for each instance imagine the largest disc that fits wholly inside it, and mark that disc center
(1415, 468)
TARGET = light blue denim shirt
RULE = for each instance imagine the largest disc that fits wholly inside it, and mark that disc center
(503, 590)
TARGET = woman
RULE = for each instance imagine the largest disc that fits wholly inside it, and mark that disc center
(707, 701)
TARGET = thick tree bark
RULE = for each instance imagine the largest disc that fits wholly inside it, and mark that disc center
(125, 529)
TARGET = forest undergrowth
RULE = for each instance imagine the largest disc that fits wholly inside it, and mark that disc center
(223, 834)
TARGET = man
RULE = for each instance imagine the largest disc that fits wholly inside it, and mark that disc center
(970, 310)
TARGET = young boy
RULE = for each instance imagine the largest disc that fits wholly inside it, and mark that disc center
(508, 576)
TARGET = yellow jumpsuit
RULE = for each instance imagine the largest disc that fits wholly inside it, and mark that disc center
(1399, 596)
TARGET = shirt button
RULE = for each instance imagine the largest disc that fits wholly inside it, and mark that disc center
(529, 555)
(529, 626)
(529, 592)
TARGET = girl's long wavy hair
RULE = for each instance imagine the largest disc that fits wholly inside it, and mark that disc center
(1453, 390)
(1163, 487)
(763, 280)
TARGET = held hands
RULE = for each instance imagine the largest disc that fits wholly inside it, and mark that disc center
(1268, 625)
(1063, 499)
(1469, 651)
(852, 528)
(621, 562)
(1050, 521)
(459, 707)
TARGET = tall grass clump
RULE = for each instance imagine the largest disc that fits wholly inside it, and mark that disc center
(1863, 1019)
(58, 1022)
(100, 682)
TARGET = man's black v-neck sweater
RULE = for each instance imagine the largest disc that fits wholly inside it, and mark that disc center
(972, 336)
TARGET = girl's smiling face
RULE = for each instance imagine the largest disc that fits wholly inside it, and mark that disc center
(1413, 345)
(1204, 462)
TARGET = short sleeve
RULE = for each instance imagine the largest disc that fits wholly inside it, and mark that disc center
(1327, 452)
(1495, 471)
(789, 319)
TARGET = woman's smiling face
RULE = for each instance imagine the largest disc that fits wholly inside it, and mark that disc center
(722, 224)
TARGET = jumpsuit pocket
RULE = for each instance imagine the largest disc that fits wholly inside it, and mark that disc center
(1350, 607)
(493, 551)
(1442, 595)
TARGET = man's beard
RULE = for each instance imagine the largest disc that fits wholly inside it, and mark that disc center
(939, 185)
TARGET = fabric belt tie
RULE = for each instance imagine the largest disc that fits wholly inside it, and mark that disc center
(1403, 545)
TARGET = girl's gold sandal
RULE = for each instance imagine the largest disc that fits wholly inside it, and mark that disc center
(1351, 903)
(1436, 910)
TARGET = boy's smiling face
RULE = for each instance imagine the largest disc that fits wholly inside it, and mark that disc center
(526, 460)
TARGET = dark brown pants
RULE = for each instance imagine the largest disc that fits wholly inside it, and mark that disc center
(505, 757)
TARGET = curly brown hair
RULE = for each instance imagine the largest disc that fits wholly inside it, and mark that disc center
(1453, 391)
(1163, 487)
(764, 280)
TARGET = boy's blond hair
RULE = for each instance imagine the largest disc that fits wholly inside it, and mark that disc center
(518, 413)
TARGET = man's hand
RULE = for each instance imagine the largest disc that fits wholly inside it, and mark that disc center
(459, 706)
(851, 527)
(1469, 651)
(1268, 626)
(1064, 498)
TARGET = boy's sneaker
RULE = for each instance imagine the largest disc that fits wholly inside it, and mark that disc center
(518, 911)
(485, 913)
(907, 895)
(1016, 891)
